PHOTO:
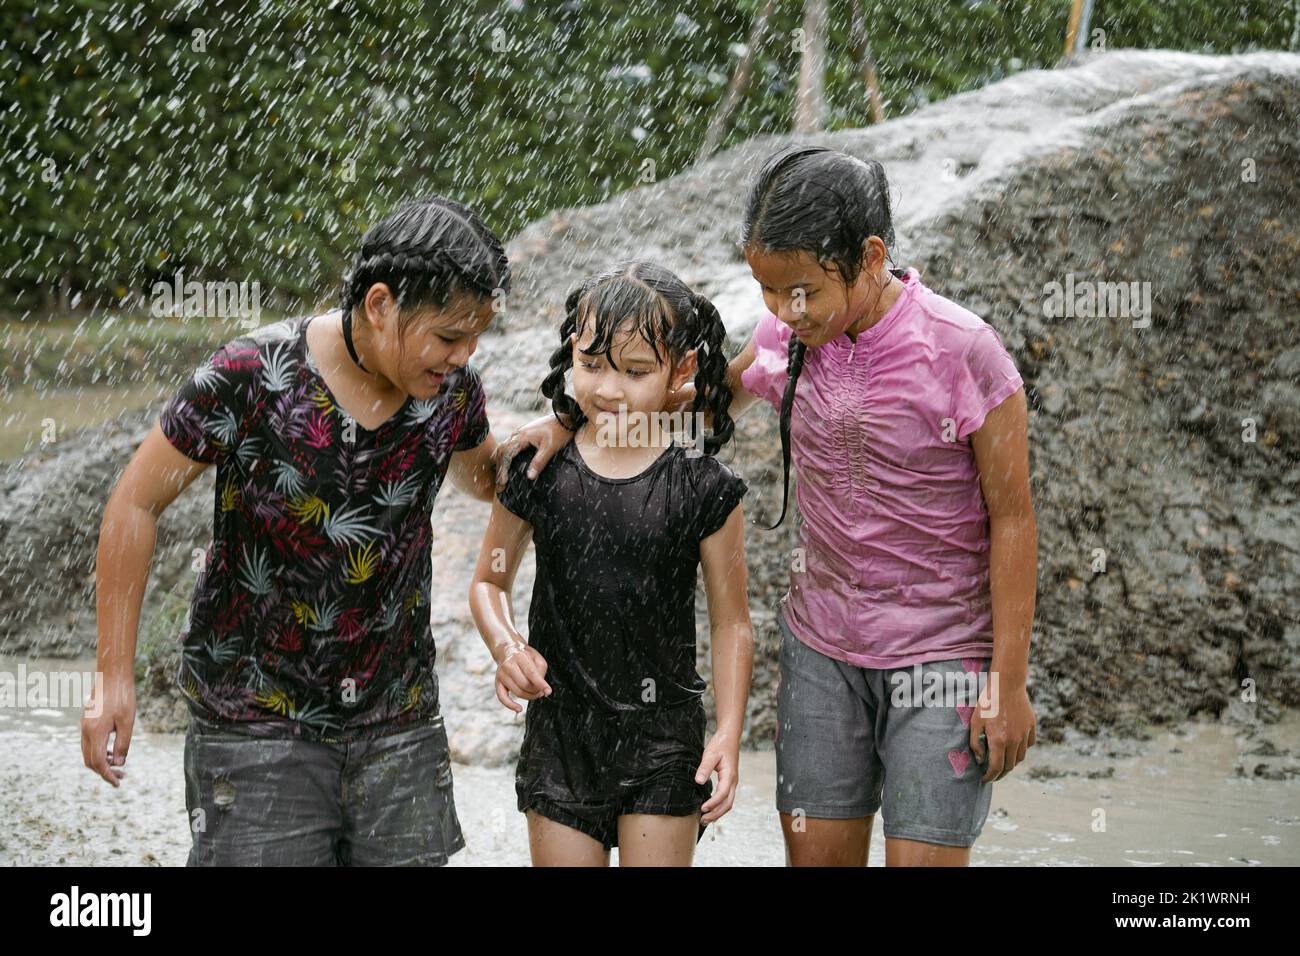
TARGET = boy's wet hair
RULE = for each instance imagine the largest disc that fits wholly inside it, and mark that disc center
(651, 301)
(815, 200)
(429, 252)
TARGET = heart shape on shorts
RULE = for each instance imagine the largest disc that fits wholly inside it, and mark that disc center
(960, 760)
(964, 713)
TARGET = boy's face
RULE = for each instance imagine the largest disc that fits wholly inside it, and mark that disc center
(436, 343)
(441, 342)
(812, 300)
(639, 386)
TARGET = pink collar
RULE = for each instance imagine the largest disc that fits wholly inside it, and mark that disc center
(911, 280)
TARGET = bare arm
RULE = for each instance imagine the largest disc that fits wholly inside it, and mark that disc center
(1001, 447)
(473, 471)
(546, 434)
(521, 671)
(741, 400)
(154, 477)
(732, 640)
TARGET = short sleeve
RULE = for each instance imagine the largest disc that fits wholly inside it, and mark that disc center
(766, 375)
(519, 496)
(985, 377)
(719, 495)
(207, 417)
(473, 409)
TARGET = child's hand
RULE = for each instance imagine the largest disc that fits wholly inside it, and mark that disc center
(721, 754)
(110, 710)
(545, 434)
(1003, 733)
(521, 672)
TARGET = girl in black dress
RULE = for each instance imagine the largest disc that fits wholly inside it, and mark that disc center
(614, 750)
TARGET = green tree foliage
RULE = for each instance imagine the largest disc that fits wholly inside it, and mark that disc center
(255, 140)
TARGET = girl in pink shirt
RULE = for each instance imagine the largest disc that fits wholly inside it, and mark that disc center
(906, 626)
(906, 420)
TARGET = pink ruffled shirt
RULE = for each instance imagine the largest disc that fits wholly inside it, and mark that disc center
(894, 564)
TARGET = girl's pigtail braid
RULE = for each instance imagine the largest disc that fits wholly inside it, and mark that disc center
(711, 391)
(793, 368)
(562, 403)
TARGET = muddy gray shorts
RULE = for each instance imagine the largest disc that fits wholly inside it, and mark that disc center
(845, 748)
(385, 801)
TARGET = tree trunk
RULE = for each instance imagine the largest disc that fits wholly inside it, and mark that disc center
(1072, 31)
(875, 103)
(739, 83)
(810, 102)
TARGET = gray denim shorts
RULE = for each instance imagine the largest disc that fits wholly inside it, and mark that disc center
(384, 801)
(845, 749)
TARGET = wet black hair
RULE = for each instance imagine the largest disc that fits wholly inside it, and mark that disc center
(816, 200)
(430, 251)
(667, 313)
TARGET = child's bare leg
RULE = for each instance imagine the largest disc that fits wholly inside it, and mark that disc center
(915, 853)
(553, 844)
(656, 839)
(815, 842)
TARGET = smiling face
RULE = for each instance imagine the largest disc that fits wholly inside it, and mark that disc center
(436, 343)
(639, 385)
(439, 342)
(809, 298)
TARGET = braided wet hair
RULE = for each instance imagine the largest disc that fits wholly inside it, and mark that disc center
(664, 311)
(430, 251)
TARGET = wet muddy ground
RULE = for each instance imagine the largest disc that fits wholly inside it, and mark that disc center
(1206, 794)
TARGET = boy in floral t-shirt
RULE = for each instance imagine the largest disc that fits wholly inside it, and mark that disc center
(308, 661)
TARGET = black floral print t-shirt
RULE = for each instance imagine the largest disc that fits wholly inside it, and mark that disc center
(310, 617)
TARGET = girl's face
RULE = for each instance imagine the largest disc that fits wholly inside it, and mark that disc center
(437, 342)
(812, 300)
(640, 386)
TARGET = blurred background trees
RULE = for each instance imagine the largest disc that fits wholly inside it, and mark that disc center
(253, 141)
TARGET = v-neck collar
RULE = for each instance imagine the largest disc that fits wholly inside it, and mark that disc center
(314, 371)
